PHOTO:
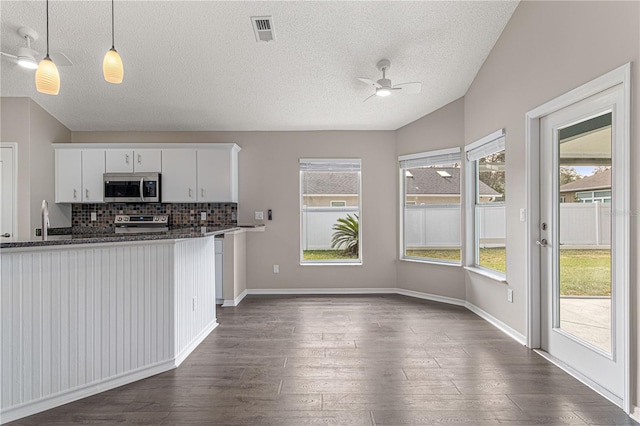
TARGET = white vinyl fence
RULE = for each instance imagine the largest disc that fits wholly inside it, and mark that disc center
(581, 224)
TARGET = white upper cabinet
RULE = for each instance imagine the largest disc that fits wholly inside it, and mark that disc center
(93, 167)
(218, 175)
(179, 176)
(79, 175)
(127, 160)
(191, 173)
(68, 175)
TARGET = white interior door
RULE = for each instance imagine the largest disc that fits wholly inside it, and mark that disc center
(582, 242)
(7, 194)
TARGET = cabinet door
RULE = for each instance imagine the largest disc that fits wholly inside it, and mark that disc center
(147, 160)
(68, 175)
(217, 176)
(179, 179)
(93, 167)
(119, 161)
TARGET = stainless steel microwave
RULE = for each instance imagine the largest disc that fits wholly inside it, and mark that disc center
(132, 187)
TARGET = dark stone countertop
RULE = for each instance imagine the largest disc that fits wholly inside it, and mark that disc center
(72, 239)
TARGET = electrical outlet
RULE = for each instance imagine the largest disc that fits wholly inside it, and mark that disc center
(276, 269)
(38, 232)
(259, 216)
(510, 295)
(203, 216)
(94, 216)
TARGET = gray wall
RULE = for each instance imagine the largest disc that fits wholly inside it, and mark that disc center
(546, 49)
(33, 129)
(441, 129)
(269, 179)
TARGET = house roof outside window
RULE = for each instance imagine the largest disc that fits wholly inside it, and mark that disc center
(601, 180)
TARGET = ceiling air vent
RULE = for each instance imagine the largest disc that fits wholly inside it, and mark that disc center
(263, 28)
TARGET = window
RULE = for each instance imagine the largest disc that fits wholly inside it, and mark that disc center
(430, 206)
(593, 197)
(486, 185)
(330, 205)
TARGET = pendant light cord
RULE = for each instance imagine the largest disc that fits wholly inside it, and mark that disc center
(47, 28)
(113, 42)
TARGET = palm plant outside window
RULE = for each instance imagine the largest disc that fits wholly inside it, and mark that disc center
(330, 207)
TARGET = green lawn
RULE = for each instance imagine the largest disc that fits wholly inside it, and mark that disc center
(327, 255)
(582, 272)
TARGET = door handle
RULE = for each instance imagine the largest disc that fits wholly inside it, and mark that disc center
(6, 235)
(542, 243)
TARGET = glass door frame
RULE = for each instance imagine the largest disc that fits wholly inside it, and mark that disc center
(621, 211)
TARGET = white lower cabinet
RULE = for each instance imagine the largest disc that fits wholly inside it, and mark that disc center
(179, 176)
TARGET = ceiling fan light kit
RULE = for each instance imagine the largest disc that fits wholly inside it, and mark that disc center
(112, 67)
(26, 55)
(47, 76)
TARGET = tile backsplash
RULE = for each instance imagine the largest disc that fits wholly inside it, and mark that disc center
(180, 214)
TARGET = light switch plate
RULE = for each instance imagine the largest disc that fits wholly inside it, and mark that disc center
(259, 216)
(523, 215)
(510, 295)
(94, 216)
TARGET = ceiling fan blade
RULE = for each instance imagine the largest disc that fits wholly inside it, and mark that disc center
(60, 59)
(366, 99)
(369, 82)
(412, 88)
(9, 55)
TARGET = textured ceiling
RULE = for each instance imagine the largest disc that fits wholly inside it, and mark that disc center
(196, 65)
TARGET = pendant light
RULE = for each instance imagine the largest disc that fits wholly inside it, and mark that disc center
(47, 76)
(112, 67)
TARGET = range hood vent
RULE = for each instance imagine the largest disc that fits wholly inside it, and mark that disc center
(263, 28)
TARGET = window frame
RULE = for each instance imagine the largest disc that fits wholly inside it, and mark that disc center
(402, 202)
(329, 161)
(471, 246)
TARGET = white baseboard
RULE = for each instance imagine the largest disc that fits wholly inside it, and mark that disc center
(39, 405)
(515, 335)
(432, 297)
(184, 353)
(319, 291)
(234, 302)
(635, 413)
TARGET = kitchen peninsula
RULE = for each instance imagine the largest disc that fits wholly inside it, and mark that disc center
(89, 313)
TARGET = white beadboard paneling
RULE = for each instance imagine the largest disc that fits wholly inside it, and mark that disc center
(77, 320)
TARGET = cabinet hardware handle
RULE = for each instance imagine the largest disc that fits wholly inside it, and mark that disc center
(126, 158)
(86, 193)
(139, 159)
(190, 193)
(6, 235)
(75, 194)
(202, 192)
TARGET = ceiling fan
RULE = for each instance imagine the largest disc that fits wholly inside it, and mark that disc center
(384, 87)
(28, 58)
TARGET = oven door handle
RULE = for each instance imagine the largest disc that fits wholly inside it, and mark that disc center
(142, 189)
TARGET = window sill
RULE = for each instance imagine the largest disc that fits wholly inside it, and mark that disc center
(429, 262)
(330, 263)
(496, 276)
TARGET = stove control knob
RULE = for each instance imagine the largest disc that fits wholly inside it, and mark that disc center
(119, 219)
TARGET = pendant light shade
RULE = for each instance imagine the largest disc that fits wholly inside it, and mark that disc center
(112, 67)
(47, 76)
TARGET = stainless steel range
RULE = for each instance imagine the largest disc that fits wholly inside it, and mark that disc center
(136, 224)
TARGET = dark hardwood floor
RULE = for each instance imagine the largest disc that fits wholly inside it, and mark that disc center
(350, 360)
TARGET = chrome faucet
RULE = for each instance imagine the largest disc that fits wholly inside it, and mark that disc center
(44, 213)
